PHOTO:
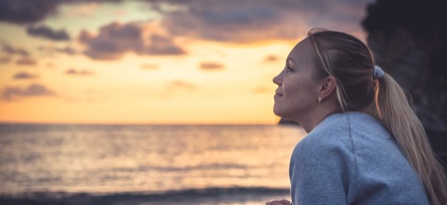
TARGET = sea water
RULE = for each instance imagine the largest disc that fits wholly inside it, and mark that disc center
(145, 164)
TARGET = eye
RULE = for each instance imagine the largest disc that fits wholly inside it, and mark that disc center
(288, 69)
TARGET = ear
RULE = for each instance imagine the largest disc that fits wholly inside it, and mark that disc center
(327, 86)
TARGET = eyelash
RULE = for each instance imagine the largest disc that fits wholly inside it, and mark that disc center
(288, 69)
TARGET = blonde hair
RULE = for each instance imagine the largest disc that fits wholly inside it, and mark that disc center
(351, 62)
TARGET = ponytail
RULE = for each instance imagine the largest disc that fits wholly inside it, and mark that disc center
(398, 117)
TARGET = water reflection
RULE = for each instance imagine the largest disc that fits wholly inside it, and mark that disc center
(154, 159)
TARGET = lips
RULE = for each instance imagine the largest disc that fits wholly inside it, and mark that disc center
(278, 93)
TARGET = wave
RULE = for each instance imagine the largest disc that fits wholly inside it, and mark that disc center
(211, 195)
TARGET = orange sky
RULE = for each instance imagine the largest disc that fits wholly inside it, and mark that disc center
(140, 62)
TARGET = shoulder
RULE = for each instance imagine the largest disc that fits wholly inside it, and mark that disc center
(324, 161)
(345, 123)
(334, 131)
(344, 126)
(331, 139)
(340, 136)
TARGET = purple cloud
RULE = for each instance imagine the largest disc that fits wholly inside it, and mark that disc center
(79, 72)
(48, 33)
(115, 39)
(25, 11)
(33, 90)
(26, 61)
(24, 75)
(249, 21)
(10, 50)
(33, 11)
(234, 22)
(211, 66)
(51, 50)
(67, 50)
(271, 58)
(5, 59)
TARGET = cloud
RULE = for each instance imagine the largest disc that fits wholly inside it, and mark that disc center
(33, 11)
(24, 75)
(48, 33)
(211, 66)
(163, 45)
(8, 49)
(26, 11)
(250, 21)
(234, 22)
(66, 50)
(271, 58)
(148, 66)
(26, 61)
(33, 90)
(116, 39)
(79, 72)
(5, 59)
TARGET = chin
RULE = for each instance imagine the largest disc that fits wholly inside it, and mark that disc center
(278, 112)
(285, 114)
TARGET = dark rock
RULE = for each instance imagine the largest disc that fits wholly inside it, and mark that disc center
(409, 41)
(438, 141)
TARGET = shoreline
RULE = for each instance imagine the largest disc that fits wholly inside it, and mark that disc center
(234, 195)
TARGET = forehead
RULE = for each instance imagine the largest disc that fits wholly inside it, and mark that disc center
(302, 52)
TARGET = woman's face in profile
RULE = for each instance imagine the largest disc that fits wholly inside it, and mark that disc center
(297, 92)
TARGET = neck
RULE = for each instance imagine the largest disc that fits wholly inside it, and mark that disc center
(315, 117)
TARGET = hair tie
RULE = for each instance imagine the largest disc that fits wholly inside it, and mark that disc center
(378, 72)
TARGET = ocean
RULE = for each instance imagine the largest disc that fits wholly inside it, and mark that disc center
(145, 164)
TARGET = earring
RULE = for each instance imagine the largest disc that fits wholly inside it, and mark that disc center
(319, 100)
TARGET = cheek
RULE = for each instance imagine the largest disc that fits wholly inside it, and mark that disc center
(302, 91)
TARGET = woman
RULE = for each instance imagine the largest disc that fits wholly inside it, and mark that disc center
(365, 145)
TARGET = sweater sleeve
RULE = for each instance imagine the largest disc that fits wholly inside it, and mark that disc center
(322, 170)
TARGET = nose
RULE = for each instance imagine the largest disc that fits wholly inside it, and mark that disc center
(278, 79)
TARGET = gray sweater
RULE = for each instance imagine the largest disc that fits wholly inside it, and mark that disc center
(350, 158)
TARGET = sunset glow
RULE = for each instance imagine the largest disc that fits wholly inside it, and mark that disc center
(162, 62)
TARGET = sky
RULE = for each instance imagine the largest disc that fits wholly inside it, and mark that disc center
(154, 61)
